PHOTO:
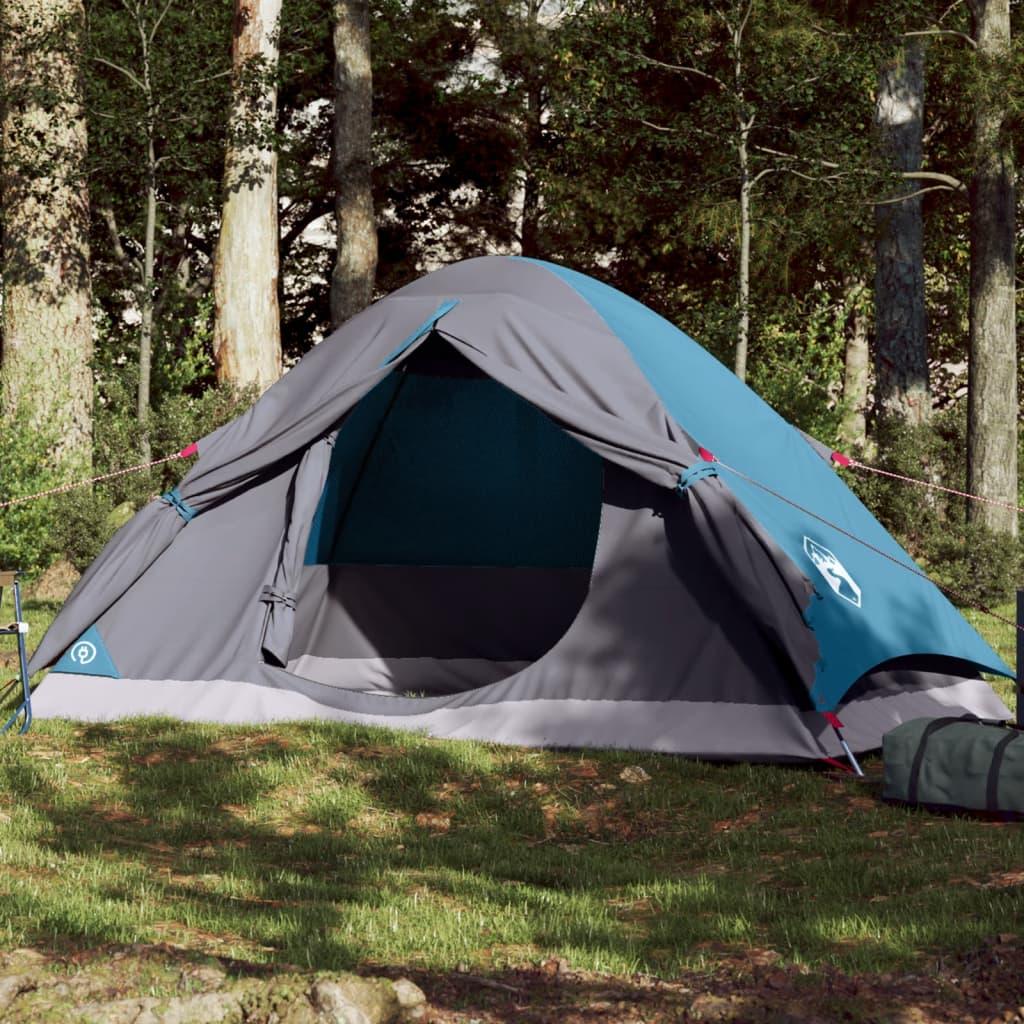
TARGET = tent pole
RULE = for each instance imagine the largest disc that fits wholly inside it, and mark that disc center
(1020, 655)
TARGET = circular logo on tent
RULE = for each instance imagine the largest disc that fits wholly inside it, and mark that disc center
(83, 652)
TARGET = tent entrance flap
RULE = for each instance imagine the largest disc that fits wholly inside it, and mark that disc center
(457, 524)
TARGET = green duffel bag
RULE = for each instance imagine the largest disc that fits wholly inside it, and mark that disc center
(957, 763)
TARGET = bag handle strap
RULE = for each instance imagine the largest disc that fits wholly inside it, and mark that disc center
(933, 727)
(992, 785)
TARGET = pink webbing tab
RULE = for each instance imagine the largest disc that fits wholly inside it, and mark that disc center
(189, 451)
(832, 720)
(706, 455)
(833, 763)
(840, 459)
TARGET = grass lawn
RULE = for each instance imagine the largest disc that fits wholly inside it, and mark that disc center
(329, 846)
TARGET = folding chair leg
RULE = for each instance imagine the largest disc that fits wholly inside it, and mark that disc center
(24, 709)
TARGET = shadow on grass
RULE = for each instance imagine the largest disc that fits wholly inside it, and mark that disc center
(335, 846)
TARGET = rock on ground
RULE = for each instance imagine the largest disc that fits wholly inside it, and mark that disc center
(184, 989)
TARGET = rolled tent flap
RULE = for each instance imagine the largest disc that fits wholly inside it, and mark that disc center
(278, 594)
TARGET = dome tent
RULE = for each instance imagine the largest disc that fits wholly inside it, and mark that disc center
(485, 507)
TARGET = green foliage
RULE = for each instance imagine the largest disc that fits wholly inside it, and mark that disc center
(76, 525)
(157, 114)
(979, 568)
(797, 363)
(26, 468)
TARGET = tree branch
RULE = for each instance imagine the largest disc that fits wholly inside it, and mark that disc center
(680, 68)
(313, 212)
(944, 32)
(120, 255)
(124, 71)
(160, 18)
(658, 127)
(746, 18)
(949, 10)
(816, 178)
(912, 195)
(793, 156)
(211, 78)
(943, 179)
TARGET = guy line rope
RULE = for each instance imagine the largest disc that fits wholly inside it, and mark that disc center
(185, 453)
(838, 458)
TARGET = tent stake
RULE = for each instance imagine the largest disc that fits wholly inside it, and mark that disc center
(837, 728)
(1020, 655)
(849, 753)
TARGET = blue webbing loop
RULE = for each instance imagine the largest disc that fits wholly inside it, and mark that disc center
(186, 511)
(698, 471)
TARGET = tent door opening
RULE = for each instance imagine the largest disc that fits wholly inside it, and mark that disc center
(454, 538)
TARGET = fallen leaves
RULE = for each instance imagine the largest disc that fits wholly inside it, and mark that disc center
(1005, 880)
(437, 824)
(735, 824)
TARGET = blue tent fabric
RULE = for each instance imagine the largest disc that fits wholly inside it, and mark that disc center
(88, 656)
(896, 612)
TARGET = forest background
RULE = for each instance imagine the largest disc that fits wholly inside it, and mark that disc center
(194, 192)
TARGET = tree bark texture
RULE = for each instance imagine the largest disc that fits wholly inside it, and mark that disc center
(743, 293)
(247, 321)
(744, 126)
(901, 337)
(530, 244)
(45, 373)
(856, 369)
(533, 125)
(355, 266)
(992, 361)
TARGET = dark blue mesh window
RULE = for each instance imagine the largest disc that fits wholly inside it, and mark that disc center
(455, 470)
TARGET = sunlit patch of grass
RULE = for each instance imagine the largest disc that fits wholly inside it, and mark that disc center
(1002, 637)
(327, 846)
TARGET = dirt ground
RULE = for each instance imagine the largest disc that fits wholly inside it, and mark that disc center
(984, 986)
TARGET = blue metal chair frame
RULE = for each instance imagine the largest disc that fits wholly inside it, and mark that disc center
(18, 628)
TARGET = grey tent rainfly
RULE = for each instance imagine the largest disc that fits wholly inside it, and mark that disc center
(487, 507)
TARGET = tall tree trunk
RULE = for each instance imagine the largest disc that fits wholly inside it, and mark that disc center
(355, 266)
(247, 321)
(992, 362)
(148, 264)
(743, 290)
(45, 373)
(901, 339)
(740, 14)
(529, 235)
(853, 428)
